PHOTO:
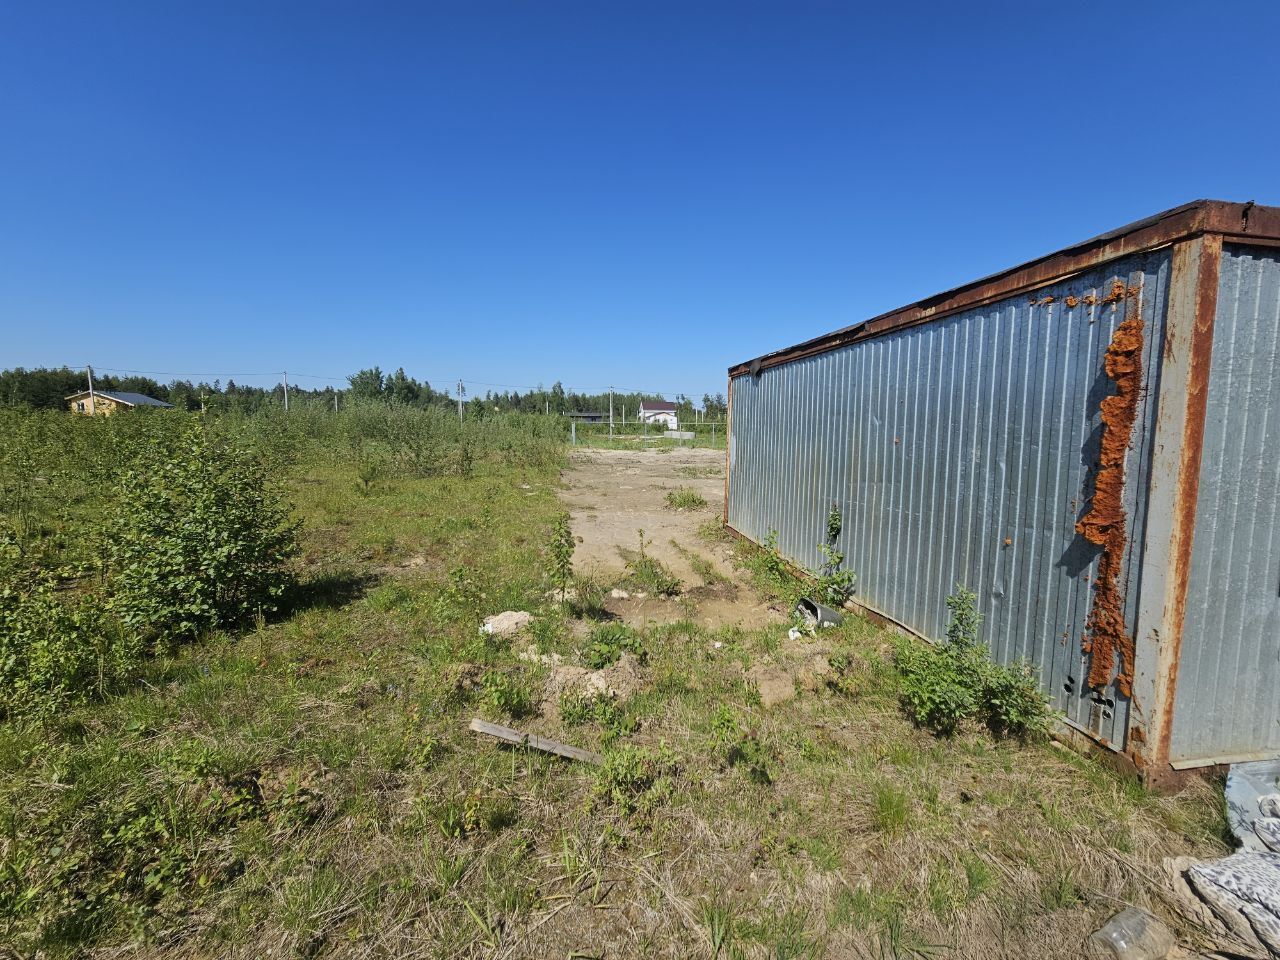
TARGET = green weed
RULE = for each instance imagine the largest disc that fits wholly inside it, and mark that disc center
(946, 685)
(645, 572)
(685, 498)
(607, 642)
(577, 709)
(508, 695)
(634, 781)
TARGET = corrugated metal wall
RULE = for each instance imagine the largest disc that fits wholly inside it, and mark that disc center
(943, 441)
(1228, 697)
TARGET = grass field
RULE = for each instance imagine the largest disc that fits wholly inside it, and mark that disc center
(307, 786)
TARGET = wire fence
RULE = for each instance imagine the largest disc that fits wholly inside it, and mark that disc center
(632, 435)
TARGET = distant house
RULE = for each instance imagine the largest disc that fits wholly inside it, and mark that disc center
(587, 416)
(659, 412)
(108, 402)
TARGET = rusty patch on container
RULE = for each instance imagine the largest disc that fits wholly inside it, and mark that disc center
(1072, 300)
(1107, 642)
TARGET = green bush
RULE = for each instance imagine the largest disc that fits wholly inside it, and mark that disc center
(197, 538)
(770, 570)
(936, 690)
(740, 748)
(943, 686)
(55, 649)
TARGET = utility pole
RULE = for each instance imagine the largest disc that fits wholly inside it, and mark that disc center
(93, 407)
(202, 403)
(285, 374)
(611, 413)
(335, 401)
(462, 392)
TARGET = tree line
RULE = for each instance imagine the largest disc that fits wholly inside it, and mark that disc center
(48, 388)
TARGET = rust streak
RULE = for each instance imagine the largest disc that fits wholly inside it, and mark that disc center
(1201, 356)
(1108, 642)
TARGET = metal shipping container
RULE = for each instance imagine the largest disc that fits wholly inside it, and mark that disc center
(1091, 443)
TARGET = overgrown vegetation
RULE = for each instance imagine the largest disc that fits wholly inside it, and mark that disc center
(192, 536)
(303, 782)
(946, 685)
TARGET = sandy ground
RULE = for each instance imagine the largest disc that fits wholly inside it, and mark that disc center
(613, 494)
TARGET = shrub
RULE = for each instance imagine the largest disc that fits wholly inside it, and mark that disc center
(934, 691)
(849, 675)
(770, 570)
(942, 687)
(740, 748)
(54, 649)
(197, 538)
(1014, 702)
(835, 585)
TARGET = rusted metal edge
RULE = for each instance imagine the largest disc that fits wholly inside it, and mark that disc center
(1241, 222)
(1187, 492)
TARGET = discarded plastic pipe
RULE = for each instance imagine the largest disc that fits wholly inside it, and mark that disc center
(817, 615)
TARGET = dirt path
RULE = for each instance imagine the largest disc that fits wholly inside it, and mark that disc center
(613, 494)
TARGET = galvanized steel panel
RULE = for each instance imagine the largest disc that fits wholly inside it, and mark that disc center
(960, 451)
(1228, 694)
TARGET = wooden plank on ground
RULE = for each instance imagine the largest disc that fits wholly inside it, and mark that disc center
(533, 740)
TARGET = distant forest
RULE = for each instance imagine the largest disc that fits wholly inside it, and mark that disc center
(43, 388)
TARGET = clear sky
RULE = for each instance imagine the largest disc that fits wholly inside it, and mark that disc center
(636, 194)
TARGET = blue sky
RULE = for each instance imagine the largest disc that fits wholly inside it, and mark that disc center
(636, 194)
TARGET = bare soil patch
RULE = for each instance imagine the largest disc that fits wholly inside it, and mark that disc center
(614, 494)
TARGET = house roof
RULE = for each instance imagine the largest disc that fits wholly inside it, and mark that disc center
(125, 397)
(657, 406)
